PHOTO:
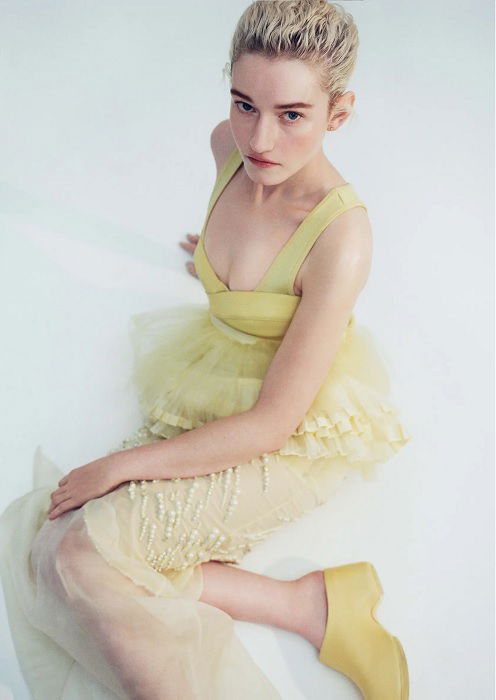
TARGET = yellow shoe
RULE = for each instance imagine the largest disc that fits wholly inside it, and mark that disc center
(355, 643)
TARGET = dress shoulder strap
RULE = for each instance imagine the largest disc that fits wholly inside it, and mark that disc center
(282, 274)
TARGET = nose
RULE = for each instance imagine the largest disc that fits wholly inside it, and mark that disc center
(262, 141)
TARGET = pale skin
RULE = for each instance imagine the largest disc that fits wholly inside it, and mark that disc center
(273, 201)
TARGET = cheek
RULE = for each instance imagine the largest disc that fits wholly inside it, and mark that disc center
(302, 140)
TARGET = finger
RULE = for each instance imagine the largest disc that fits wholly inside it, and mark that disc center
(193, 236)
(58, 499)
(192, 269)
(190, 247)
(58, 492)
(63, 481)
(59, 510)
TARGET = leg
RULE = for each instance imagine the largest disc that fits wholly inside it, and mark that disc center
(298, 606)
(160, 534)
(266, 499)
(102, 618)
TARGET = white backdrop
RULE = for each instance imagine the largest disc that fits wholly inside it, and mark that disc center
(106, 113)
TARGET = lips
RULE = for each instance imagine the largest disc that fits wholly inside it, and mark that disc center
(262, 160)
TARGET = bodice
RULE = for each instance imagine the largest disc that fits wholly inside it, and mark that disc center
(266, 311)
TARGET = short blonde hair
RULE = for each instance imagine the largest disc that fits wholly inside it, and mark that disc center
(315, 31)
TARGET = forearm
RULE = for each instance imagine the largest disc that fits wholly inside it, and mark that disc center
(212, 447)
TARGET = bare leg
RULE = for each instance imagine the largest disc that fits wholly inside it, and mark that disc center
(126, 653)
(298, 606)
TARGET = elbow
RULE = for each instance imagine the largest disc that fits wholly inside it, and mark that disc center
(272, 429)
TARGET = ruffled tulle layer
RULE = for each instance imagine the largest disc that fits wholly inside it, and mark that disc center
(188, 372)
(190, 369)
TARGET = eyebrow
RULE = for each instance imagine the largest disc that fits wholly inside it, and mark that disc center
(300, 105)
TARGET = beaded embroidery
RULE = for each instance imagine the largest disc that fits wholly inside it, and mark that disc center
(163, 513)
(188, 547)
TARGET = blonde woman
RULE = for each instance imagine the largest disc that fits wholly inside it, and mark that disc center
(122, 577)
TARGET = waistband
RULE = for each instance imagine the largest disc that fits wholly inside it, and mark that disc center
(246, 338)
(231, 332)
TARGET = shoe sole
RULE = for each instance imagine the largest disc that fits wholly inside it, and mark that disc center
(402, 663)
(405, 682)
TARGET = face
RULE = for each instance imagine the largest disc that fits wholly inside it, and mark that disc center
(278, 112)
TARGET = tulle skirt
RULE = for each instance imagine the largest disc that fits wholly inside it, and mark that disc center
(191, 368)
(105, 600)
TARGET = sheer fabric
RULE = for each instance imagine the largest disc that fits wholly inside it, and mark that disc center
(96, 614)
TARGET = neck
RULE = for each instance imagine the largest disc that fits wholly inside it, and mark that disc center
(308, 181)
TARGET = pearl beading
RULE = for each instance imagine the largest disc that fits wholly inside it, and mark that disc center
(162, 514)
(189, 548)
(265, 471)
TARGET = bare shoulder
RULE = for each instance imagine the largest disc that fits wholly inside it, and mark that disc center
(342, 251)
(222, 143)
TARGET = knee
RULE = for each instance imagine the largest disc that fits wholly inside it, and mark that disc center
(72, 564)
(68, 550)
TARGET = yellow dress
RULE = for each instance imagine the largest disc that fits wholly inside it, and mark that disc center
(120, 577)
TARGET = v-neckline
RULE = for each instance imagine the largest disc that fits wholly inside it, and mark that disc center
(286, 245)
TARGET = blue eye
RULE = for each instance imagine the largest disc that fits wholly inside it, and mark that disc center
(242, 103)
(244, 111)
(297, 114)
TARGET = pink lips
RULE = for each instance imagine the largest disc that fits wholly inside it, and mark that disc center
(261, 163)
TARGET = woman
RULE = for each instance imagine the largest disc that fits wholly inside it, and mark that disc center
(117, 575)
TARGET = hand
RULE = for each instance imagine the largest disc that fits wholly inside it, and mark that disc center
(190, 246)
(84, 483)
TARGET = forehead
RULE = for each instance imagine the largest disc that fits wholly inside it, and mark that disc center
(278, 79)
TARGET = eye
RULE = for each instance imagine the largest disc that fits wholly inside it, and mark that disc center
(243, 103)
(244, 111)
(297, 114)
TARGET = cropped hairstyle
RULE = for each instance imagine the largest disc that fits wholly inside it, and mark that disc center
(318, 32)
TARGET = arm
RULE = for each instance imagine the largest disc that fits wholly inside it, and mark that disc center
(212, 447)
(336, 271)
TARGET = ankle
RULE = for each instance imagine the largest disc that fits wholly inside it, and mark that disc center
(311, 607)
